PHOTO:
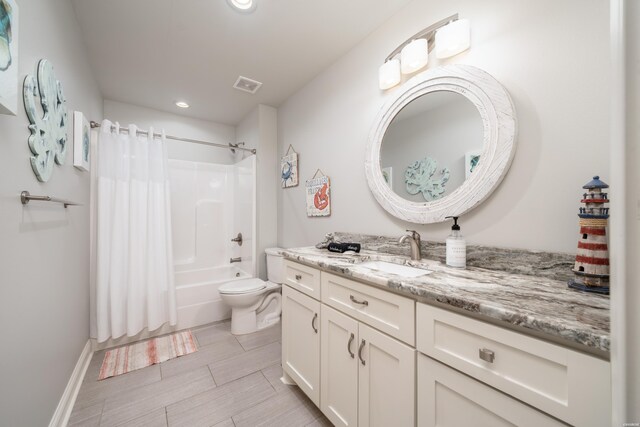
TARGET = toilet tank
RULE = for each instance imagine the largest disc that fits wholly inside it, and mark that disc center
(275, 265)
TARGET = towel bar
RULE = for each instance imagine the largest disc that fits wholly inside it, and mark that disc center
(26, 197)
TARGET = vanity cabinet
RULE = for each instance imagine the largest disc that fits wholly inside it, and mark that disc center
(301, 341)
(564, 383)
(370, 357)
(367, 377)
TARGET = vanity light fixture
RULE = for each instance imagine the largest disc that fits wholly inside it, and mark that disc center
(182, 104)
(244, 6)
(450, 36)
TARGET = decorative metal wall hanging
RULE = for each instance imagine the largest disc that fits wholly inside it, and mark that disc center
(419, 178)
(48, 140)
(318, 195)
(289, 168)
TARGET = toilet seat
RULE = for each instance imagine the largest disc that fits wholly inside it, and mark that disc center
(244, 286)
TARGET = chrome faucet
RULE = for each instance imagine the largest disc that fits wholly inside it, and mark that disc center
(238, 259)
(416, 255)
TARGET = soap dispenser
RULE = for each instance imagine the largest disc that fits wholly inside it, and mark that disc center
(456, 246)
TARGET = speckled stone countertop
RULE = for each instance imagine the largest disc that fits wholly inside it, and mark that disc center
(541, 305)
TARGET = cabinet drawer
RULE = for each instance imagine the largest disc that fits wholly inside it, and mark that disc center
(447, 398)
(385, 311)
(302, 278)
(564, 383)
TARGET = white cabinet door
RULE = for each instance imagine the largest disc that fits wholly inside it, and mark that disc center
(301, 341)
(386, 380)
(448, 398)
(339, 368)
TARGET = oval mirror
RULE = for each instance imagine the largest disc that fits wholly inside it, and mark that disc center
(441, 145)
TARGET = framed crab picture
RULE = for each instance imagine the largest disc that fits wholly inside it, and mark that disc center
(318, 190)
(289, 168)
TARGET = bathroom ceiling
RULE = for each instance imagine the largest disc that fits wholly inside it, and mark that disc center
(156, 52)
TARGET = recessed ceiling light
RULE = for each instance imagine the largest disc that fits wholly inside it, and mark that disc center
(245, 6)
(182, 104)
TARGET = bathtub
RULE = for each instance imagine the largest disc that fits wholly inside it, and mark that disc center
(197, 295)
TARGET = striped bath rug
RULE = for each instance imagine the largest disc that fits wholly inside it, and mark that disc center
(125, 359)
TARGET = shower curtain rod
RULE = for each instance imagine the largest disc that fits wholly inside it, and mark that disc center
(231, 146)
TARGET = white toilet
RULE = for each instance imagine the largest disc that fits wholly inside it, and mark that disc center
(256, 304)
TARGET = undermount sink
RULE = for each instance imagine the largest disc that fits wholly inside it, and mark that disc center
(397, 269)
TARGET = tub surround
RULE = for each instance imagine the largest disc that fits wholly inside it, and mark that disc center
(536, 303)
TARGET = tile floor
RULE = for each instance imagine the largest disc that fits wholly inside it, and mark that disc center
(230, 381)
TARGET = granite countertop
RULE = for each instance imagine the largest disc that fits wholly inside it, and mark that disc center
(539, 304)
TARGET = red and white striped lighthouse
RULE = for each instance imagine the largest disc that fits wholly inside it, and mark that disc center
(592, 259)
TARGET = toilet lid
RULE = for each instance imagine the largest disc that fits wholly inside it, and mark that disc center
(242, 286)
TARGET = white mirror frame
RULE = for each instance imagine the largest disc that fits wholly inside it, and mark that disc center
(500, 129)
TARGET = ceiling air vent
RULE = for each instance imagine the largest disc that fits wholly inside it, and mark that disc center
(247, 85)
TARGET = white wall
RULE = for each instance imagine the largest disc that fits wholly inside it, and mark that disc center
(44, 248)
(259, 130)
(553, 59)
(180, 126)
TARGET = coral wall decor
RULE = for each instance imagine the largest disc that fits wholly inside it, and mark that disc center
(48, 140)
(419, 178)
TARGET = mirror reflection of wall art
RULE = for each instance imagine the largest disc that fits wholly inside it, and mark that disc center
(318, 195)
(420, 178)
(471, 160)
(387, 174)
(8, 57)
(81, 141)
(289, 168)
(48, 140)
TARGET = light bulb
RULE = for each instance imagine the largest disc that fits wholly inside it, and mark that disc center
(389, 74)
(453, 38)
(414, 56)
(242, 5)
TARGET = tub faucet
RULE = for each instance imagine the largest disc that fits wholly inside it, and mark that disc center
(416, 255)
(238, 239)
(238, 259)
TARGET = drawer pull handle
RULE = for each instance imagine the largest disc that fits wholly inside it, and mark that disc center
(298, 276)
(354, 300)
(349, 346)
(362, 343)
(486, 355)
(313, 321)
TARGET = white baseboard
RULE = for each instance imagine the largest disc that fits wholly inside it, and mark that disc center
(65, 406)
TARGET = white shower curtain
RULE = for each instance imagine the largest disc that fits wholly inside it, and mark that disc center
(134, 262)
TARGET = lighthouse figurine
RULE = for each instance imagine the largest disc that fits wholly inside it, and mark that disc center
(592, 259)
